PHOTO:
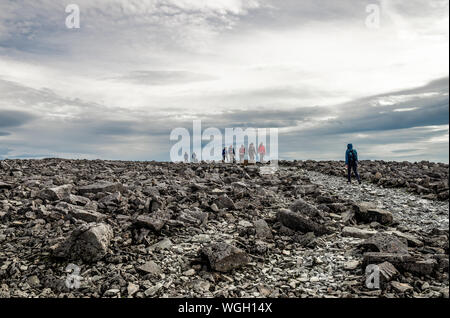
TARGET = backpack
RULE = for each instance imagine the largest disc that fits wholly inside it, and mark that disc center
(351, 156)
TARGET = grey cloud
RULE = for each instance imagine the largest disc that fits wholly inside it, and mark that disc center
(263, 118)
(44, 99)
(433, 112)
(37, 26)
(114, 128)
(163, 77)
(12, 118)
(96, 133)
(440, 85)
(401, 144)
(367, 114)
(420, 8)
(4, 151)
(288, 13)
(280, 93)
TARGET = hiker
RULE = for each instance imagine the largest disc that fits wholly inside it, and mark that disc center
(186, 157)
(194, 157)
(262, 152)
(351, 162)
(242, 153)
(231, 153)
(224, 154)
(252, 152)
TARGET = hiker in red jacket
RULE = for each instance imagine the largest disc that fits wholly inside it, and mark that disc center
(261, 152)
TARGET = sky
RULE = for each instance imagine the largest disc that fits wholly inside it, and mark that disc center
(325, 73)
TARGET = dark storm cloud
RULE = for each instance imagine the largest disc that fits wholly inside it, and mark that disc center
(433, 112)
(422, 106)
(12, 118)
(440, 85)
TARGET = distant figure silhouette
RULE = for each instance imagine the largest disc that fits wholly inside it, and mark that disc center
(231, 153)
(351, 162)
(224, 154)
(242, 154)
(186, 157)
(252, 152)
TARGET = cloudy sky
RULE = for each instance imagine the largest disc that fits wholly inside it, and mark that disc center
(320, 71)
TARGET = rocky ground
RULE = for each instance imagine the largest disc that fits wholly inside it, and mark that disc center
(76, 228)
(428, 179)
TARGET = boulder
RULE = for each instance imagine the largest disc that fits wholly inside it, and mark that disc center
(421, 267)
(351, 265)
(298, 222)
(387, 272)
(366, 212)
(132, 289)
(411, 239)
(56, 193)
(442, 262)
(111, 199)
(223, 257)
(401, 287)
(304, 208)
(381, 216)
(306, 240)
(89, 243)
(76, 212)
(377, 258)
(262, 230)
(154, 222)
(77, 200)
(385, 243)
(224, 202)
(150, 267)
(193, 217)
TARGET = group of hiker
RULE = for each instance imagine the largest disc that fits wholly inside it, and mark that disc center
(229, 154)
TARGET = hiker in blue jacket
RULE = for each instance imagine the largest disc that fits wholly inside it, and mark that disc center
(351, 162)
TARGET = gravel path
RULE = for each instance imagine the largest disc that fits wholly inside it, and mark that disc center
(410, 210)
